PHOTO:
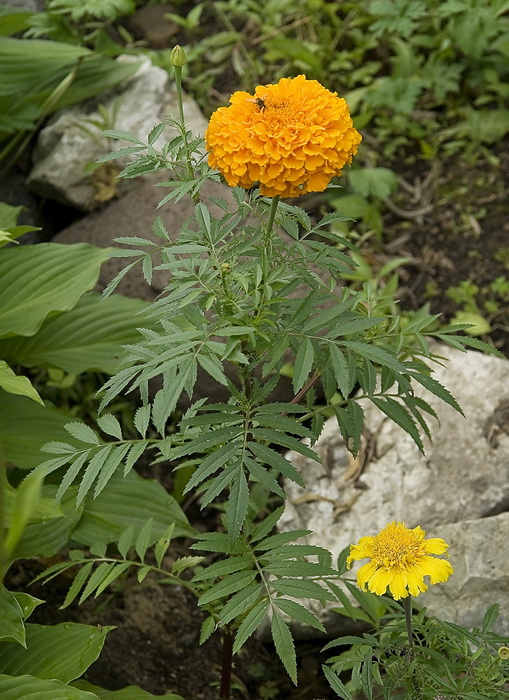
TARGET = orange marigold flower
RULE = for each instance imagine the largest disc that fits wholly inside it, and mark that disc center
(292, 138)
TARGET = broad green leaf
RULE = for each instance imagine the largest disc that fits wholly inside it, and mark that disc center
(15, 384)
(130, 501)
(27, 602)
(11, 615)
(26, 500)
(26, 687)
(88, 337)
(42, 279)
(285, 647)
(129, 693)
(63, 652)
(25, 426)
(42, 66)
(54, 535)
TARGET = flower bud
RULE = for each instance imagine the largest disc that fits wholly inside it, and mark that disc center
(178, 57)
(503, 653)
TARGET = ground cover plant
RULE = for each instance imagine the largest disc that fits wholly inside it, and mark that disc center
(229, 304)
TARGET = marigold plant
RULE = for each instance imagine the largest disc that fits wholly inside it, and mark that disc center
(400, 559)
(292, 138)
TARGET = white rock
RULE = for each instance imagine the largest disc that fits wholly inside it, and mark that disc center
(71, 141)
(463, 476)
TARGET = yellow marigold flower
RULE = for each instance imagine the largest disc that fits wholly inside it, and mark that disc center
(400, 559)
(292, 138)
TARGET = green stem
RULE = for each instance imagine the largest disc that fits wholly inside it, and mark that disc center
(407, 607)
(267, 239)
(182, 120)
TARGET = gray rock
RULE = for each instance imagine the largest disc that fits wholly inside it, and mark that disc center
(72, 141)
(479, 553)
(462, 477)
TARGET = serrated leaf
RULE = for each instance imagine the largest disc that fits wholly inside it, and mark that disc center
(183, 563)
(249, 624)
(110, 425)
(77, 584)
(303, 364)
(298, 612)
(399, 415)
(240, 602)
(207, 628)
(280, 539)
(236, 508)
(83, 433)
(142, 419)
(276, 460)
(218, 458)
(162, 544)
(224, 567)
(125, 541)
(144, 538)
(286, 441)
(100, 573)
(285, 647)
(261, 475)
(228, 586)
(300, 588)
(266, 526)
(91, 472)
(337, 686)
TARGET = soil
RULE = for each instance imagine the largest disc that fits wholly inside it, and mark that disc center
(455, 227)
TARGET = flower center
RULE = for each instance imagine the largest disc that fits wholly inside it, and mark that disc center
(396, 546)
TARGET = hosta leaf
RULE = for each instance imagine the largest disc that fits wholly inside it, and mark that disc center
(90, 336)
(63, 652)
(11, 614)
(26, 687)
(20, 417)
(129, 693)
(128, 501)
(38, 280)
(14, 384)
